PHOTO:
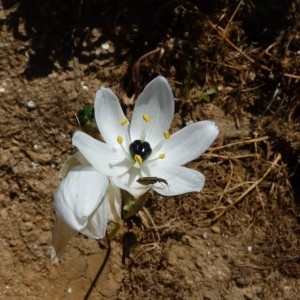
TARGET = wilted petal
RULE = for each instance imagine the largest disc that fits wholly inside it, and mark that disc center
(115, 202)
(77, 159)
(189, 143)
(108, 210)
(97, 222)
(157, 101)
(79, 195)
(110, 117)
(101, 156)
(180, 180)
(61, 235)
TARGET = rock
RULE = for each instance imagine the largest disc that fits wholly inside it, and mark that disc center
(215, 229)
(31, 105)
(25, 217)
(39, 157)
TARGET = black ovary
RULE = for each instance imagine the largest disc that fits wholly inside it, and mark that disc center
(138, 147)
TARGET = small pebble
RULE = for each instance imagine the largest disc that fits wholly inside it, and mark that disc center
(205, 235)
(215, 229)
(220, 88)
(25, 217)
(4, 213)
(2, 87)
(31, 105)
(218, 242)
(84, 87)
(105, 46)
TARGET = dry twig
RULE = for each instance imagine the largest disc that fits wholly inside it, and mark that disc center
(253, 186)
(221, 33)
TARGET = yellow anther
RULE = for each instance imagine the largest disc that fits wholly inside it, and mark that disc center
(162, 156)
(138, 159)
(167, 134)
(120, 139)
(124, 122)
(146, 118)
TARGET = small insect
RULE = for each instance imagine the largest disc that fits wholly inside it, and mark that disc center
(151, 180)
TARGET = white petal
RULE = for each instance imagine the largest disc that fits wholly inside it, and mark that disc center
(103, 157)
(108, 115)
(61, 235)
(79, 195)
(180, 180)
(157, 101)
(128, 182)
(115, 202)
(189, 143)
(108, 210)
(97, 222)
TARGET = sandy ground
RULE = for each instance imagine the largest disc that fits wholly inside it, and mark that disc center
(238, 238)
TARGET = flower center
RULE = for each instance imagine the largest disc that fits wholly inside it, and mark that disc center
(140, 149)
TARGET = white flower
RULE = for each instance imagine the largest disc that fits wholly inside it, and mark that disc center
(144, 147)
(84, 202)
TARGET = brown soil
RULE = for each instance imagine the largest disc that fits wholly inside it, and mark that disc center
(237, 239)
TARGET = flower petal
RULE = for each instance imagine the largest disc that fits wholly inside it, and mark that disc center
(115, 202)
(109, 117)
(62, 233)
(180, 180)
(127, 182)
(189, 143)
(108, 210)
(156, 101)
(79, 195)
(97, 222)
(102, 157)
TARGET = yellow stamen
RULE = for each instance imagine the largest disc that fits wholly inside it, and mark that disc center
(162, 156)
(167, 134)
(147, 118)
(124, 122)
(120, 139)
(138, 159)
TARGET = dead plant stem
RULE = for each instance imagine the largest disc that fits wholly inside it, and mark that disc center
(221, 32)
(253, 186)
